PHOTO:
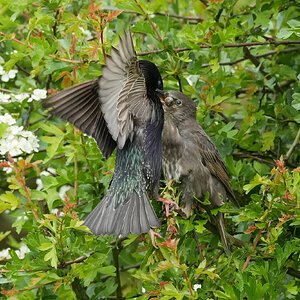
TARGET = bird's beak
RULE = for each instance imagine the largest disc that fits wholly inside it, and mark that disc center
(162, 94)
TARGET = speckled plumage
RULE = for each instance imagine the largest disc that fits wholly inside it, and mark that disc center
(190, 155)
(121, 109)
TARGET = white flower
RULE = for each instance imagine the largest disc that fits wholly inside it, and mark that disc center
(10, 75)
(87, 33)
(5, 77)
(4, 254)
(196, 286)
(15, 140)
(62, 191)
(2, 72)
(8, 119)
(38, 94)
(21, 97)
(55, 211)
(1, 60)
(39, 184)
(22, 251)
(4, 97)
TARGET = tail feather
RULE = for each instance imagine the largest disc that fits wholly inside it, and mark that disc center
(218, 221)
(135, 215)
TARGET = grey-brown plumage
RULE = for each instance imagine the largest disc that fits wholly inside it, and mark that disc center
(191, 156)
(122, 110)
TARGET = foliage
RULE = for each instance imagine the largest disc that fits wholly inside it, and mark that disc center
(240, 60)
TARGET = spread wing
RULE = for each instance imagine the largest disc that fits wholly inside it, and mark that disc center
(211, 157)
(123, 92)
(80, 106)
(107, 107)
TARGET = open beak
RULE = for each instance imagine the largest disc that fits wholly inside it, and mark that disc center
(162, 94)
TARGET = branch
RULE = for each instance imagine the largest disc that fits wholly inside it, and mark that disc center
(253, 248)
(115, 252)
(230, 63)
(185, 18)
(149, 20)
(293, 272)
(189, 19)
(22, 181)
(198, 244)
(293, 146)
(247, 155)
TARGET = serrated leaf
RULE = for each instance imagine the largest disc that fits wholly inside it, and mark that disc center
(164, 265)
(52, 256)
(108, 270)
(296, 101)
(268, 140)
(3, 127)
(45, 246)
(9, 201)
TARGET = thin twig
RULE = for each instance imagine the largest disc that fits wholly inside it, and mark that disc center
(253, 248)
(230, 63)
(198, 244)
(115, 252)
(246, 155)
(149, 20)
(260, 67)
(186, 18)
(22, 181)
(293, 146)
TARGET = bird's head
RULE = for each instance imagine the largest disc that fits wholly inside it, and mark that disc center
(177, 105)
(152, 75)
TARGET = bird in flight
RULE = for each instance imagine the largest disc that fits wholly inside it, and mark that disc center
(121, 109)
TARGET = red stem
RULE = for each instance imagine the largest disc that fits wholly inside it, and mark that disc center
(21, 179)
(253, 248)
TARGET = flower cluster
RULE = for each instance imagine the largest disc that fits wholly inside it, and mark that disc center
(15, 140)
(36, 94)
(5, 77)
(4, 254)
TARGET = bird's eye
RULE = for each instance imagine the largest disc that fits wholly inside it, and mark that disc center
(178, 102)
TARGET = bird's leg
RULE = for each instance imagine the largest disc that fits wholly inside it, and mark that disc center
(153, 235)
(167, 203)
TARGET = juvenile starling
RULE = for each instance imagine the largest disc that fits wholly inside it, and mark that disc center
(191, 156)
(122, 110)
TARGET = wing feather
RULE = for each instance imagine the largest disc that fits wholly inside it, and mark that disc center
(122, 91)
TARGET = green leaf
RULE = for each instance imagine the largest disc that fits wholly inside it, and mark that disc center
(214, 65)
(9, 201)
(108, 270)
(45, 246)
(268, 140)
(3, 235)
(142, 26)
(296, 101)
(3, 127)
(52, 256)
(128, 5)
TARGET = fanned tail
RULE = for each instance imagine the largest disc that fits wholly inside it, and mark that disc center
(218, 221)
(135, 216)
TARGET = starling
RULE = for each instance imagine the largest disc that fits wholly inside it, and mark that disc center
(121, 109)
(191, 156)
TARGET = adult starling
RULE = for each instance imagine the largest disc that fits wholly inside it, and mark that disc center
(191, 156)
(122, 110)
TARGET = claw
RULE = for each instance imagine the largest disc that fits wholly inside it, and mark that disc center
(153, 235)
(167, 203)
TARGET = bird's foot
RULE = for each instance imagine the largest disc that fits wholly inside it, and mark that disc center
(167, 203)
(153, 235)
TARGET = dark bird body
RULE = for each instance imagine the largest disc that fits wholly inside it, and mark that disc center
(121, 110)
(189, 155)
